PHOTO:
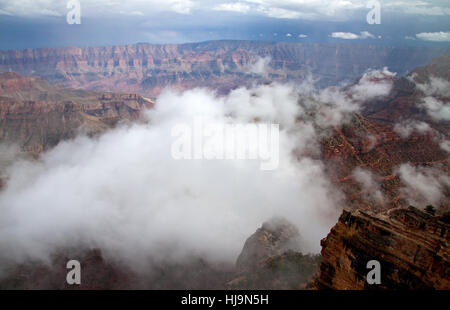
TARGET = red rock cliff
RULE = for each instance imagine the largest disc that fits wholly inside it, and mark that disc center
(411, 246)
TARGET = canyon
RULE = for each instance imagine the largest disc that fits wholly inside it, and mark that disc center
(57, 94)
(410, 245)
(37, 115)
(370, 141)
(222, 65)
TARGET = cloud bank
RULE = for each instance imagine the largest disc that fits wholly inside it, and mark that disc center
(124, 193)
(280, 9)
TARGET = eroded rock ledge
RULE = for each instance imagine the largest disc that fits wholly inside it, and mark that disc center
(411, 246)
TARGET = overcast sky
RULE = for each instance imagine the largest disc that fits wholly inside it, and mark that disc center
(43, 23)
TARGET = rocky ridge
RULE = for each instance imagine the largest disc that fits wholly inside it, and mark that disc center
(411, 246)
(222, 65)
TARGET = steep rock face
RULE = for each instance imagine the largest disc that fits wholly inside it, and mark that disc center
(271, 259)
(221, 65)
(37, 116)
(411, 246)
(273, 238)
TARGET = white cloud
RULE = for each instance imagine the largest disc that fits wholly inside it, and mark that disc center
(427, 10)
(435, 87)
(374, 83)
(133, 13)
(437, 109)
(423, 186)
(33, 8)
(437, 92)
(281, 13)
(233, 7)
(260, 66)
(123, 192)
(342, 9)
(366, 35)
(437, 95)
(96, 7)
(405, 129)
(445, 145)
(302, 36)
(308, 9)
(370, 185)
(345, 35)
(352, 36)
(434, 36)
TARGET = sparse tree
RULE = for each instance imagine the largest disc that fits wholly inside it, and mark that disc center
(430, 210)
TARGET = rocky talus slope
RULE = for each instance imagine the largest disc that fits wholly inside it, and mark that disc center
(411, 246)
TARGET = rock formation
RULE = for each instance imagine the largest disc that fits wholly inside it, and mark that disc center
(37, 116)
(222, 65)
(411, 246)
(271, 259)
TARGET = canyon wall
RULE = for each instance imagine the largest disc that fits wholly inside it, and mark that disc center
(37, 116)
(411, 246)
(221, 65)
